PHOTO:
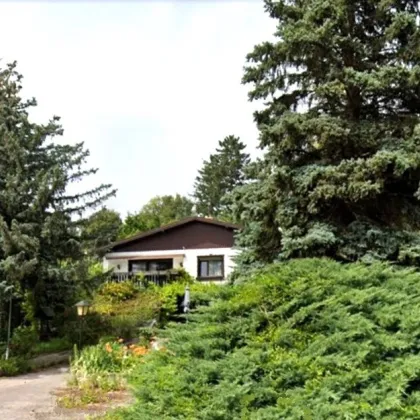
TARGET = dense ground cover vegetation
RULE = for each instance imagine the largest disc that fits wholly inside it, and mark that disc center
(305, 339)
(104, 367)
(120, 311)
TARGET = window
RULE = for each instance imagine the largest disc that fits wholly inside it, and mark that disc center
(138, 266)
(150, 265)
(210, 267)
(160, 265)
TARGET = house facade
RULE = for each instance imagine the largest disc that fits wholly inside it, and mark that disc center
(203, 247)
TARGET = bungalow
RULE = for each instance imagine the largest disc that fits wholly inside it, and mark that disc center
(202, 246)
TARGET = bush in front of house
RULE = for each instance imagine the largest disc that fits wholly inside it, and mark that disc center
(126, 315)
(125, 308)
(171, 297)
(118, 310)
(106, 366)
(309, 338)
(118, 292)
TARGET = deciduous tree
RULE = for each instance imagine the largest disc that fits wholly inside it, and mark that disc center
(159, 211)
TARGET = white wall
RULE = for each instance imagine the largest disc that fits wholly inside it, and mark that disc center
(189, 258)
(119, 266)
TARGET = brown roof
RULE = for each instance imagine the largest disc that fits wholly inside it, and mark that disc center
(174, 225)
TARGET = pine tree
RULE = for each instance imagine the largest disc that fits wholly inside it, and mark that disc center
(40, 242)
(341, 128)
(219, 176)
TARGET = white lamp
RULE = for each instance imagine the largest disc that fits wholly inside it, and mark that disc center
(82, 307)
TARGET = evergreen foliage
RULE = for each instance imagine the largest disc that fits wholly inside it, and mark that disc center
(219, 176)
(40, 243)
(252, 207)
(340, 128)
(159, 211)
(306, 339)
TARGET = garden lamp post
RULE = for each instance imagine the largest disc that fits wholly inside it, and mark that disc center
(9, 325)
(8, 290)
(82, 310)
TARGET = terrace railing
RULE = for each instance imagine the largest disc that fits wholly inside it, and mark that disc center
(158, 278)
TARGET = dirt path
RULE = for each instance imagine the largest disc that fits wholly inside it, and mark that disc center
(28, 397)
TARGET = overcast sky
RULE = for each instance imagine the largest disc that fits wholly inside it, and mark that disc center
(150, 87)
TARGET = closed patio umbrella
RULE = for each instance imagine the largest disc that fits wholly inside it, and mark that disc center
(186, 303)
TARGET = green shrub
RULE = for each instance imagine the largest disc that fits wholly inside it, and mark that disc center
(104, 365)
(118, 292)
(307, 339)
(93, 325)
(23, 341)
(146, 334)
(112, 317)
(171, 297)
(125, 326)
(54, 345)
(126, 317)
(182, 276)
(102, 357)
(13, 366)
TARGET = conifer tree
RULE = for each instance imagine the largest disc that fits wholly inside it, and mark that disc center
(219, 176)
(252, 207)
(340, 127)
(40, 242)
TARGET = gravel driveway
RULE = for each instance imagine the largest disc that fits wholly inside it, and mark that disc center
(29, 396)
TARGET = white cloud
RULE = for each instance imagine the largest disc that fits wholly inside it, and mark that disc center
(150, 87)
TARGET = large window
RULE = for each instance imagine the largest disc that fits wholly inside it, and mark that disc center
(210, 267)
(150, 265)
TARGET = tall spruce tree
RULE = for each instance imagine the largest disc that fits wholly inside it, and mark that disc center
(252, 206)
(40, 241)
(219, 176)
(340, 128)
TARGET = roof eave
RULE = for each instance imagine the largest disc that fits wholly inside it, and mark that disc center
(169, 226)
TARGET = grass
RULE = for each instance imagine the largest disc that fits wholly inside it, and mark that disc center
(56, 345)
(92, 400)
(98, 374)
(20, 364)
